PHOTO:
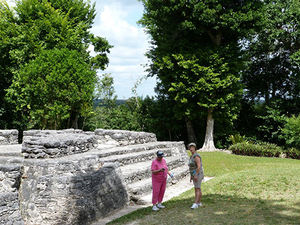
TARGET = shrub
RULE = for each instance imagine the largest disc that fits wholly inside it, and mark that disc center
(261, 149)
(292, 153)
(291, 132)
(237, 138)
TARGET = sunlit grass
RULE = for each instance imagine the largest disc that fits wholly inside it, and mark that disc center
(245, 190)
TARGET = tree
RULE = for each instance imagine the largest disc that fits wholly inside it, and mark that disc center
(47, 29)
(54, 89)
(156, 117)
(8, 31)
(105, 91)
(271, 77)
(270, 70)
(291, 132)
(197, 56)
(109, 115)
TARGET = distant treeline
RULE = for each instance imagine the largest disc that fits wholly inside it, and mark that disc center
(100, 102)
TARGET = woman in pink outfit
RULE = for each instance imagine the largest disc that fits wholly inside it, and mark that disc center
(160, 173)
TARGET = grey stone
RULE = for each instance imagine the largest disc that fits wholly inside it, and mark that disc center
(52, 151)
(82, 182)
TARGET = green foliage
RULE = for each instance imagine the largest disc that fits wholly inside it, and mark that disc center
(218, 86)
(157, 116)
(32, 33)
(261, 149)
(105, 91)
(272, 119)
(272, 68)
(8, 31)
(263, 122)
(81, 11)
(292, 153)
(53, 89)
(272, 73)
(247, 121)
(264, 149)
(291, 131)
(109, 115)
(196, 53)
(119, 117)
(237, 138)
(269, 52)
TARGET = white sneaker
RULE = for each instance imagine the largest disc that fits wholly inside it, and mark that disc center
(155, 208)
(160, 206)
(199, 204)
(194, 206)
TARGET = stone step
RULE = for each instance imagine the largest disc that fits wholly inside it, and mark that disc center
(134, 157)
(143, 187)
(104, 150)
(11, 150)
(141, 170)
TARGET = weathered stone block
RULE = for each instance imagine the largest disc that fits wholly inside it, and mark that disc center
(8, 137)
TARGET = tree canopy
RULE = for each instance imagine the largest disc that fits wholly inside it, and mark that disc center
(44, 45)
(197, 56)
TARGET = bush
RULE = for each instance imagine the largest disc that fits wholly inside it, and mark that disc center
(261, 149)
(292, 153)
(291, 132)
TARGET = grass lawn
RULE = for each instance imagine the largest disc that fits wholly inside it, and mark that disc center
(245, 190)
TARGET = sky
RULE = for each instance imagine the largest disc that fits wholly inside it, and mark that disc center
(116, 21)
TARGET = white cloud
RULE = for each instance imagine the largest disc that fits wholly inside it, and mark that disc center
(116, 21)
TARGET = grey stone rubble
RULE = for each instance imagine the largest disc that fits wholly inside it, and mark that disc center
(107, 171)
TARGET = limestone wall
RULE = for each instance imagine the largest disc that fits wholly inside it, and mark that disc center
(123, 137)
(8, 137)
(53, 184)
(52, 144)
(75, 191)
(10, 177)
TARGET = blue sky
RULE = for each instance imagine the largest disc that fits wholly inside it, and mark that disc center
(116, 21)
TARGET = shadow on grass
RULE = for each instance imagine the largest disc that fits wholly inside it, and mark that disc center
(218, 209)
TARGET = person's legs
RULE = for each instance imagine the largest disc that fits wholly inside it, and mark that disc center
(198, 195)
(155, 191)
(198, 191)
(162, 191)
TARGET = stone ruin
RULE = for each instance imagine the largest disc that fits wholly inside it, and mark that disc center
(8, 137)
(76, 177)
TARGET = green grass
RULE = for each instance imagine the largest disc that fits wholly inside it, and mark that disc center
(245, 190)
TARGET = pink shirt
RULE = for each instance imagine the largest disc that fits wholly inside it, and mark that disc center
(156, 165)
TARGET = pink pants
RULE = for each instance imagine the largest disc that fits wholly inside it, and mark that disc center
(158, 190)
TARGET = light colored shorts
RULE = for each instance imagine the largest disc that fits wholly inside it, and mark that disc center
(199, 181)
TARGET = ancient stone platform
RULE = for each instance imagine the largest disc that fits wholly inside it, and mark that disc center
(76, 177)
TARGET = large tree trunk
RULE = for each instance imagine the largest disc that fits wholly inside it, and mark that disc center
(190, 130)
(209, 135)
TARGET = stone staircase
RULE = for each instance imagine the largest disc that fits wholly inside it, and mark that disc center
(135, 164)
